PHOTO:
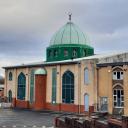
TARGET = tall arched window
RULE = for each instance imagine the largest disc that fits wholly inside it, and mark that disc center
(86, 102)
(9, 96)
(86, 76)
(118, 96)
(21, 86)
(32, 85)
(68, 87)
(10, 76)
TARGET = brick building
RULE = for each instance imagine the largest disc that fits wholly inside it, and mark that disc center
(71, 79)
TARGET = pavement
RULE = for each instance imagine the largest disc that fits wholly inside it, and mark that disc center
(18, 118)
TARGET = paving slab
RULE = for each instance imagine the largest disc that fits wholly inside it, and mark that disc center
(17, 118)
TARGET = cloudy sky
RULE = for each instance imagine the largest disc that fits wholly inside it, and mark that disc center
(26, 26)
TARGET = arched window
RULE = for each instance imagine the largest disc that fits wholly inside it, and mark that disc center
(118, 75)
(65, 52)
(84, 52)
(49, 53)
(68, 87)
(118, 96)
(74, 54)
(9, 96)
(86, 102)
(32, 85)
(10, 76)
(21, 86)
(86, 76)
(55, 53)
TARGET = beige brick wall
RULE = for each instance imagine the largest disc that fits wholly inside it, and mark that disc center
(12, 85)
(76, 69)
(60, 71)
(105, 85)
(125, 68)
(90, 89)
(104, 81)
(49, 83)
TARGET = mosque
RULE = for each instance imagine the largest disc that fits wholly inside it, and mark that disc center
(72, 79)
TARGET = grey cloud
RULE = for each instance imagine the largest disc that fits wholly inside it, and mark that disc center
(103, 16)
(26, 26)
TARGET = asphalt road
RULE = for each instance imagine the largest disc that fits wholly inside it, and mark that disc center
(15, 118)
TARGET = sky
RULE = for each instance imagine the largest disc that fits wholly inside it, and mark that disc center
(26, 26)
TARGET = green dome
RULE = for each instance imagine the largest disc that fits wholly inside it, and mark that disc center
(40, 72)
(69, 34)
(68, 43)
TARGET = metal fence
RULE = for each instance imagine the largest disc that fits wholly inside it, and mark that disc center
(5, 105)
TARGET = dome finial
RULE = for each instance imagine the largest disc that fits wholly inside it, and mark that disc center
(70, 16)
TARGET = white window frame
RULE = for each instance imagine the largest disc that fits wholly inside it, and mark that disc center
(115, 95)
(115, 75)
